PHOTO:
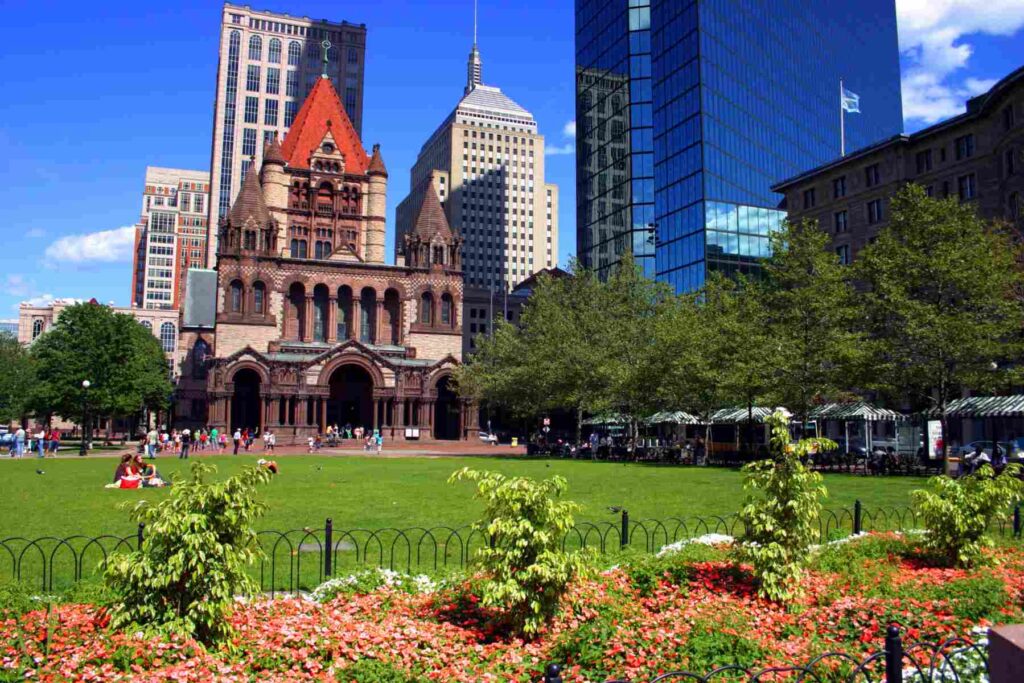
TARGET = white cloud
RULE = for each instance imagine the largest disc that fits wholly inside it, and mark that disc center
(105, 246)
(39, 300)
(17, 285)
(569, 129)
(567, 148)
(933, 38)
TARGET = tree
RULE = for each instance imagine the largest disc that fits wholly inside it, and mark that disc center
(811, 313)
(123, 362)
(17, 381)
(942, 305)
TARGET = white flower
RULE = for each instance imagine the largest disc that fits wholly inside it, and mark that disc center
(706, 539)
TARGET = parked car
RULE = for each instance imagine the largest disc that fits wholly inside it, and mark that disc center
(489, 438)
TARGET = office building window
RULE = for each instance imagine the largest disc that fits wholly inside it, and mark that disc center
(964, 147)
(874, 211)
(273, 81)
(274, 51)
(256, 48)
(248, 142)
(350, 100)
(839, 221)
(924, 161)
(809, 198)
(270, 113)
(839, 187)
(294, 53)
(252, 78)
(199, 203)
(965, 187)
(353, 56)
(1010, 161)
(291, 86)
(290, 109)
(252, 108)
(871, 175)
(167, 337)
(843, 252)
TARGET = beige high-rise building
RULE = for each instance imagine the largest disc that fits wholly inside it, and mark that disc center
(170, 236)
(268, 64)
(486, 161)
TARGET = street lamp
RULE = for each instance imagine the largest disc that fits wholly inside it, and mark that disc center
(85, 417)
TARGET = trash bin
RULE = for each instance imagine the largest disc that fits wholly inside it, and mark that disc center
(515, 441)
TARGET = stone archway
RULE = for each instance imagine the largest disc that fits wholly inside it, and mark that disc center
(351, 397)
(245, 402)
(446, 411)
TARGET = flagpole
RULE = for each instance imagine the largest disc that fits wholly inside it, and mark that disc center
(842, 122)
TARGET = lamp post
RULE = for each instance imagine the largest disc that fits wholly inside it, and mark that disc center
(83, 449)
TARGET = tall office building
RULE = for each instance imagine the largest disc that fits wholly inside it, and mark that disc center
(170, 236)
(268, 64)
(486, 163)
(688, 112)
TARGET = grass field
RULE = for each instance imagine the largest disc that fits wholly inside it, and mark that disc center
(372, 493)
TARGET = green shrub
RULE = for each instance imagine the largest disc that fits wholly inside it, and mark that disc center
(976, 598)
(585, 646)
(376, 671)
(709, 647)
(198, 543)
(17, 598)
(526, 572)
(646, 571)
(958, 512)
(781, 512)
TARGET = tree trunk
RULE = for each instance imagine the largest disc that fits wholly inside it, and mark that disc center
(579, 425)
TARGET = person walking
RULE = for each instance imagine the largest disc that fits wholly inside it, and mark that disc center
(19, 441)
(237, 438)
(186, 443)
(379, 439)
(214, 433)
(41, 442)
(152, 439)
(54, 441)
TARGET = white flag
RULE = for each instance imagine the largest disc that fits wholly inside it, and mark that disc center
(851, 102)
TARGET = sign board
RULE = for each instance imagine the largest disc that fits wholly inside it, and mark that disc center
(934, 439)
(547, 421)
(412, 432)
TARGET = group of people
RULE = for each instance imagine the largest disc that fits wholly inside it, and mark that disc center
(372, 440)
(184, 442)
(41, 441)
(133, 473)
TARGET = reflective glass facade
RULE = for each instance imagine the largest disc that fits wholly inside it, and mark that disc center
(688, 111)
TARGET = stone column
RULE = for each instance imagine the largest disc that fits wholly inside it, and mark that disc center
(354, 329)
(300, 411)
(332, 319)
(376, 410)
(307, 333)
(323, 414)
(379, 323)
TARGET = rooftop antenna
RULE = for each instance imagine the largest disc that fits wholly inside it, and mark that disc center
(473, 67)
(474, 21)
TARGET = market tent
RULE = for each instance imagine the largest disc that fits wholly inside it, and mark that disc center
(740, 415)
(677, 417)
(854, 412)
(984, 407)
(611, 419)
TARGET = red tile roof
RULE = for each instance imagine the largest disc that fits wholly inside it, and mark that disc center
(377, 163)
(431, 219)
(322, 111)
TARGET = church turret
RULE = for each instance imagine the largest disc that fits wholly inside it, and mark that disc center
(272, 174)
(376, 210)
(248, 227)
(431, 243)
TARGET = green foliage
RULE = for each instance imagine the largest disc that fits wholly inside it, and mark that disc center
(17, 379)
(958, 512)
(942, 301)
(526, 571)
(811, 316)
(122, 360)
(18, 597)
(979, 597)
(376, 671)
(711, 646)
(646, 572)
(781, 513)
(198, 543)
(586, 645)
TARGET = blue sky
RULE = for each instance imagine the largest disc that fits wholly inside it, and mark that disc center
(95, 92)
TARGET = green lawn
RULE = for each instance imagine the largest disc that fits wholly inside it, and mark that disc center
(374, 493)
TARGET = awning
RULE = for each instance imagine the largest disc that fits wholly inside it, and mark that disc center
(741, 415)
(676, 417)
(984, 406)
(855, 411)
(612, 419)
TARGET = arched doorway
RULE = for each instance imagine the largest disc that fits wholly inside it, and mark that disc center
(245, 402)
(351, 401)
(446, 411)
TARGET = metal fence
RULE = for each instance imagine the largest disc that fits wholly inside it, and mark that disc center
(301, 559)
(958, 659)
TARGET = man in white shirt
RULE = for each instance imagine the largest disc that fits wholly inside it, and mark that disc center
(19, 442)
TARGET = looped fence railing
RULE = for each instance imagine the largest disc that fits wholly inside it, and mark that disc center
(300, 559)
(959, 660)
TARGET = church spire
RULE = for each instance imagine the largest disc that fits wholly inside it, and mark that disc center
(474, 68)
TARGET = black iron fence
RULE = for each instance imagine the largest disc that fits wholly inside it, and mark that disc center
(301, 559)
(958, 659)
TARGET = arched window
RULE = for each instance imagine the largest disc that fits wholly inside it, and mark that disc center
(259, 293)
(294, 53)
(1014, 206)
(426, 309)
(200, 352)
(37, 328)
(236, 297)
(438, 255)
(446, 309)
(249, 240)
(167, 337)
(322, 250)
(298, 248)
(274, 51)
(256, 48)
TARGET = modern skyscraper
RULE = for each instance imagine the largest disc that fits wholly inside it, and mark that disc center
(268, 64)
(688, 112)
(486, 163)
(170, 236)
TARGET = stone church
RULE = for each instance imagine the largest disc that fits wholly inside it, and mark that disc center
(312, 328)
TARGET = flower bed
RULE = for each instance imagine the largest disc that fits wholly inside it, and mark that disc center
(689, 608)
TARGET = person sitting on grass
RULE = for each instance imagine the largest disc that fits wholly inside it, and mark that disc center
(126, 460)
(269, 464)
(127, 475)
(148, 474)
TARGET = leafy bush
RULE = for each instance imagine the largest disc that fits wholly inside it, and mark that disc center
(646, 571)
(199, 541)
(976, 598)
(17, 598)
(958, 512)
(781, 512)
(376, 671)
(713, 644)
(526, 572)
(587, 645)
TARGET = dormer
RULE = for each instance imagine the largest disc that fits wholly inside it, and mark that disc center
(327, 158)
(431, 244)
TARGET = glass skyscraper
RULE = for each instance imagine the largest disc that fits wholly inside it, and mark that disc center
(688, 111)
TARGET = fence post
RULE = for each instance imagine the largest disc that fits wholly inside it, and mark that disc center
(893, 655)
(1016, 520)
(857, 519)
(328, 547)
(553, 674)
(139, 534)
(624, 535)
